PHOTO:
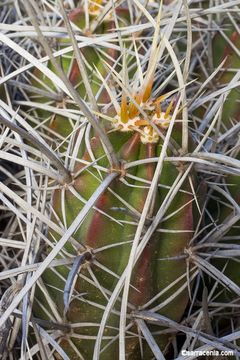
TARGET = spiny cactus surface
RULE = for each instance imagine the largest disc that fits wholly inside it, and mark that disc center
(137, 126)
(120, 231)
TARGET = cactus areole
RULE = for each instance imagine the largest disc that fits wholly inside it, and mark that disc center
(107, 232)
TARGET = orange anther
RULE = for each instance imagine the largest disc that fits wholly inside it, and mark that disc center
(160, 99)
(133, 110)
(158, 110)
(147, 91)
(169, 108)
(124, 109)
(141, 122)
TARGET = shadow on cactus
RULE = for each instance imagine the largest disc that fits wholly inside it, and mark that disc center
(137, 120)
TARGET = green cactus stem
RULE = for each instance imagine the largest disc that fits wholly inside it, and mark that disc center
(109, 228)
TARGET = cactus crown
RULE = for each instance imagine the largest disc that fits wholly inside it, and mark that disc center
(131, 118)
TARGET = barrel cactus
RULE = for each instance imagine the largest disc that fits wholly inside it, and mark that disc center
(141, 224)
